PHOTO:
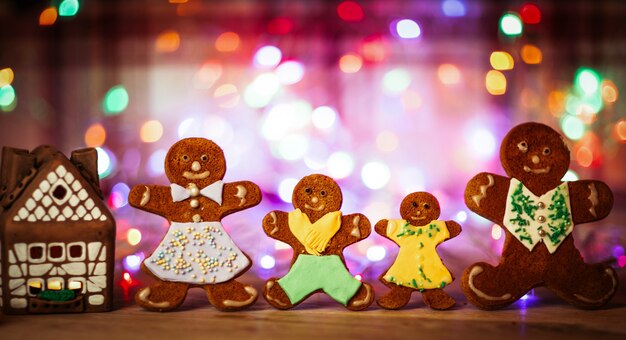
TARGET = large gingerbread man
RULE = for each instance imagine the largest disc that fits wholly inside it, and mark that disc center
(196, 251)
(318, 232)
(538, 213)
(418, 266)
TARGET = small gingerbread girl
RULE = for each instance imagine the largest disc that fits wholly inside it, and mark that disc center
(196, 250)
(538, 212)
(318, 232)
(418, 266)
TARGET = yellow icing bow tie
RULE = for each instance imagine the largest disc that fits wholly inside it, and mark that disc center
(314, 236)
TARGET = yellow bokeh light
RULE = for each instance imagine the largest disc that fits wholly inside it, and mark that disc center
(556, 103)
(6, 76)
(495, 82)
(48, 16)
(584, 156)
(501, 61)
(609, 91)
(133, 236)
(151, 131)
(620, 130)
(227, 42)
(167, 41)
(531, 54)
(226, 96)
(350, 63)
(449, 74)
(95, 135)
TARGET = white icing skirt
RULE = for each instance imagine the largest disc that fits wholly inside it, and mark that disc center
(197, 253)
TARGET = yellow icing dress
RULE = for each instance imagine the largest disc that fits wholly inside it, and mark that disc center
(418, 265)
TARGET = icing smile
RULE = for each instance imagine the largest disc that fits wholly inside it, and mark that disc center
(191, 175)
(415, 218)
(537, 171)
(314, 209)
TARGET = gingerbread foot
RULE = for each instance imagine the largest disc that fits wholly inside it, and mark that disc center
(362, 299)
(231, 295)
(162, 297)
(275, 295)
(481, 278)
(396, 298)
(437, 299)
(589, 288)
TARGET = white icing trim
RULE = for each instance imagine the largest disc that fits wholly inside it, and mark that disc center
(83, 251)
(12, 257)
(145, 197)
(58, 259)
(241, 194)
(96, 300)
(14, 271)
(269, 286)
(53, 212)
(143, 294)
(274, 220)
(43, 252)
(68, 192)
(19, 291)
(67, 212)
(366, 299)
(475, 271)
(18, 303)
(16, 283)
(39, 269)
(593, 198)
(93, 249)
(103, 254)
(20, 251)
(75, 268)
(483, 191)
(356, 232)
(100, 269)
(250, 290)
(601, 300)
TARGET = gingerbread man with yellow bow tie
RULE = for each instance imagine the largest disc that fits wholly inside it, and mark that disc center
(318, 232)
(196, 251)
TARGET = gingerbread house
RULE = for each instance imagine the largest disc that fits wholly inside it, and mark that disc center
(56, 234)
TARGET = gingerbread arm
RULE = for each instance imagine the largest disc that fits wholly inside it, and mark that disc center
(276, 226)
(151, 198)
(381, 227)
(239, 196)
(354, 227)
(485, 195)
(590, 200)
(453, 228)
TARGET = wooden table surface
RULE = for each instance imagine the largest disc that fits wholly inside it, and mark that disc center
(543, 316)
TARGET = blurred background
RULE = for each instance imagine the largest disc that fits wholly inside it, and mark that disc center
(386, 96)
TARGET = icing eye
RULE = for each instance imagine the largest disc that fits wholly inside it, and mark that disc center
(204, 158)
(308, 190)
(522, 146)
(414, 204)
(323, 193)
(426, 206)
(186, 158)
(546, 151)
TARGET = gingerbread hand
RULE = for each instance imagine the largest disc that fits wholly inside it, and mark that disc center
(152, 198)
(239, 196)
(453, 228)
(485, 194)
(590, 200)
(381, 227)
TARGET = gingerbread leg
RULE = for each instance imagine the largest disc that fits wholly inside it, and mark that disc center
(483, 285)
(437, 299)
(162, 296)
(396, 298)
(231, 295)
(362, 299)
(275, 295)
(586, 286)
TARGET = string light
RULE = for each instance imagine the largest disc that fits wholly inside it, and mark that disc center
(496, 232)
(531, 54)
(167, 42)
(501, 61)
(530, 14)
(453, 8)
(340, 165)
(133, 236)
(396, 81)
(376, 253)
(511, 24)
(95, 135)
(267, 56)
(323, 117)
(449, 74)
(115, 100)
(280, 26)
(408, 29)
(290, 72)
(495, 82)
(350, 63)
(267, 262)
(68, 8)
(375, 175)
(227, 42)
(48, 16)
(350, 11)
(6, 76)
(572, 127)
(151, 131)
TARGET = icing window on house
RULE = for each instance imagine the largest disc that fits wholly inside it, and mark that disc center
(56, 252)
(36, 252)
(76, 251)
(59, 192)
(55, 283)
(35, 286)
(75, 285)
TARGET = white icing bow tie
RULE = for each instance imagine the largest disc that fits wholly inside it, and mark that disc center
(213, 192)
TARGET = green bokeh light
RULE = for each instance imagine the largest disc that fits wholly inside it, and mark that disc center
(396, 81)
(115, 100)
(572, 127)
(68, 8)
(7, 98)
(511, 24)
(587, 81)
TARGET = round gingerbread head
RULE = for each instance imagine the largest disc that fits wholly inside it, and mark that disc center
(317, 195)
(419, 208)
(195, 160)
(536, 155)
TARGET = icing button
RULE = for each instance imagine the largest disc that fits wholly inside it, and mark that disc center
(194, 203)
(541, 205)
(541, 232)
(541, 219)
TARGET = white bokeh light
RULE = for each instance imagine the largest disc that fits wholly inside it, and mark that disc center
(482, 143)
(408, 29)
(285, 189)
(267, 262)
(375, 175)
(290, 72)
(267, 56)
(340, 165)
(293, 147)
(324, 117)
(376, 253)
